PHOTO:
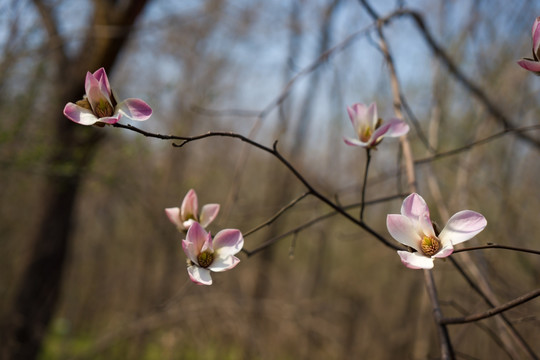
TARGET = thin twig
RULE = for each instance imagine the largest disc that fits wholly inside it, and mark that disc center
(272, 151)
(276, 215)
(473, 88)
(316, 220)
(496, 246)
(364, 184)
(507, 322)
(493, 311)
(475, 143)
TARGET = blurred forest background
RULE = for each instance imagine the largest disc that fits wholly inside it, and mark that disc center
(89, 259)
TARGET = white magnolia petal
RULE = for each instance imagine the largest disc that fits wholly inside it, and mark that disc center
(223, 263)
(79, 114)
(371, 115)
(191, 251)
(199, 275)
(208, 214)
(197, 236)
(415, 260)
(462, 226)
(446, 251)
(174, 216)
(355, 142)
(228, 242)
(414, 206)
(190, 206)
(426, 226)
(403, 230)
(135, 109)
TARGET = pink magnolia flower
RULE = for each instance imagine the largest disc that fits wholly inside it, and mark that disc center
(534, 63)
(370, 129)
(188, 214)
(206, 254)
(413, 228)
(99, 104)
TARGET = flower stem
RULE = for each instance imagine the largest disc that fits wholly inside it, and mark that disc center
(364, 185)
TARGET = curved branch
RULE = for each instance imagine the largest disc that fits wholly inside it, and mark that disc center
(475, 143)
(473, 88)
(272, 151)
(277, 215)
(493, 311)
(496, 246)
(486, 299)
(314, 221)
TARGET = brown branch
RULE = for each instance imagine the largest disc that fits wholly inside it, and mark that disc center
(314, 221)
(473, 88)
(496, 246)
(447, 352)
(493, 311)
(484, 327)
(475, 143)
(277, 215)
(274, 152)
(507, 322)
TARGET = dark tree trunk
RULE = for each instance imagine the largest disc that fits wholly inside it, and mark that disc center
(39, 288)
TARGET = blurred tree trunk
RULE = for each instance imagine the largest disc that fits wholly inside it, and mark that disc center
(40, 285)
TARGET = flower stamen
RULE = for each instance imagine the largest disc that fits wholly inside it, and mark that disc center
(205, 259)
(430, 245)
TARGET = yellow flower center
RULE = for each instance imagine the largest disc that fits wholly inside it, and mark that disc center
(205, 259)
(365, 135)
(430, 245)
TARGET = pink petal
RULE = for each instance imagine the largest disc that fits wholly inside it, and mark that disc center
(530, 65)
(208, 214)
(90, 81)
(414, 206)
(447, 250)
(196, 238)
(355, 142)
(96, 96)
(174, 216)
(79, 114)
(462, 226)
(111, 119)
(371, 115)
(135, 109)
(357, 114)
(536, 36)
(208, 242)
(426, 225)
(101, 77)
(187, 224)
(396, 128)
(403, 230)
(199, 276)
(391, 128)
(224, 263)
(228, 242)
(191, 251)
(415, 260)
(190, 206)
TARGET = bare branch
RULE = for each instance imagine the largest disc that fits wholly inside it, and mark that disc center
(496, 246)
(493, 311)
(272, 151)
(277, 215)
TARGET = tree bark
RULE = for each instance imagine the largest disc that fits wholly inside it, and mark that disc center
(40, 286)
